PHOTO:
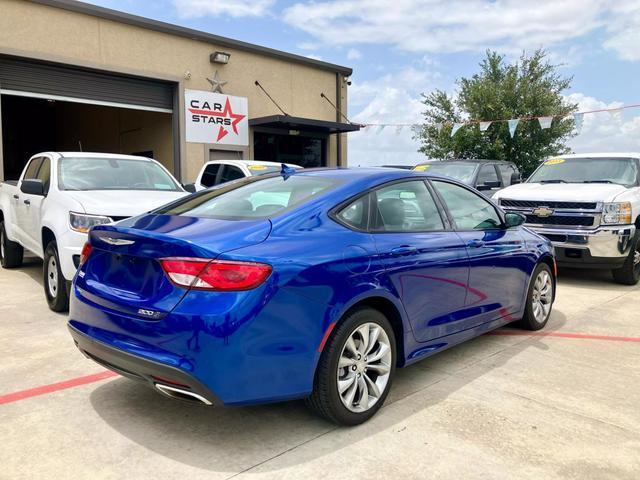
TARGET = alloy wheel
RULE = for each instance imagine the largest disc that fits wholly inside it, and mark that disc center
(542, 296)
(364, 367)
(52, 276)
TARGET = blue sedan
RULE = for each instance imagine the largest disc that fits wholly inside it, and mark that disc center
(316, 284)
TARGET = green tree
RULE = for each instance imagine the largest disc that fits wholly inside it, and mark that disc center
(530, 87)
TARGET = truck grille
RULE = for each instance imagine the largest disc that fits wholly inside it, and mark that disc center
(561, 220)
(535, 204)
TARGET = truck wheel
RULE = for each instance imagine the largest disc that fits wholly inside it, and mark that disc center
(539, 299)
(629, 273)
(55, 285)
(356, 368)
(11, 253)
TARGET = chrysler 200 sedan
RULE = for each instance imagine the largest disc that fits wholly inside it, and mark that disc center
(316, 284)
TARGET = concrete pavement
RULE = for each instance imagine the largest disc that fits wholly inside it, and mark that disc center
(507, 406)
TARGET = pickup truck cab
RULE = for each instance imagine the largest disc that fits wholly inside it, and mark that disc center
(61, 195)
(217, 172)
(487, 176)
(588, 205)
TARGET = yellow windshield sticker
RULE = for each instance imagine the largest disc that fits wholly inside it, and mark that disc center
(421, 168)
(257, 167)
(554, 161)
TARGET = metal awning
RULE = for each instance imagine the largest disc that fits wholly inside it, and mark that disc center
(303, 124)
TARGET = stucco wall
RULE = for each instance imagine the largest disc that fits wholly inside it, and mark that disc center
(38, 31)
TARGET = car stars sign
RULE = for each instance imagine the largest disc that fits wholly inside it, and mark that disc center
(216, 118)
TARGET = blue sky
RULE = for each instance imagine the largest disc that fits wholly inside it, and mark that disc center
(402, 48)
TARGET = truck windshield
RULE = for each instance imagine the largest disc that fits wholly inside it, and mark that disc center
(618, 170)
(463, 172)
(77, 173)
(251, 198)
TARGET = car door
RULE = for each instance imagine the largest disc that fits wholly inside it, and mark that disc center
(488, 181)
(426, 262)
(23, 211)
(497, 255)
(33, 217)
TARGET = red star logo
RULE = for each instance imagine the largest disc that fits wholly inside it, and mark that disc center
(226, 113)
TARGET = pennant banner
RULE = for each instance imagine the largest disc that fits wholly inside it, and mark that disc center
(438, 127)
(484, 126)
(545, 122)
(399, 129)
(513, 124)
(455, 128)
(616, 115)
(577, 121)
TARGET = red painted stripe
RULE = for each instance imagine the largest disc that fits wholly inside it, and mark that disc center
(326, 336)
(581, 336)
(54, 387)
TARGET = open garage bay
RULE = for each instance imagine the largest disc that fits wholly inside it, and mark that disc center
(561, 403)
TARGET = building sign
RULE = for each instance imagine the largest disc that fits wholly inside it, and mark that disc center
(216, 118)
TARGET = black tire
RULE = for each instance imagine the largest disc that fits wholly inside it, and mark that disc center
(55, 285)
(529, 320)
(325, 399)
(629, 273)
(11, 253)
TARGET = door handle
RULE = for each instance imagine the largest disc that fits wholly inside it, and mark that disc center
(27, 202)
(16, 197)
(475, 243)
(403, 250)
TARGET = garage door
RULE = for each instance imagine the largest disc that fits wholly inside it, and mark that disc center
(57, 82)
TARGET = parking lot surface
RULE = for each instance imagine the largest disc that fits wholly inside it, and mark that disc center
(563, 403)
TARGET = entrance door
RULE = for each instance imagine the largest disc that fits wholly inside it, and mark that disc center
(305, 150)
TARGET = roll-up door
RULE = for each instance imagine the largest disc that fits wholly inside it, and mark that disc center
(53, 81)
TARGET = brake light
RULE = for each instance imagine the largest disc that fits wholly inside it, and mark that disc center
(84, 254)
(215, 275)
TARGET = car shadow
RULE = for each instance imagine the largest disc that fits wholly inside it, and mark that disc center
(32, 267)
(234, 439)
(590, 278)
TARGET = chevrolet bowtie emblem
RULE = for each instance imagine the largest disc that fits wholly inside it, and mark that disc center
(117, 241)
(542, 212)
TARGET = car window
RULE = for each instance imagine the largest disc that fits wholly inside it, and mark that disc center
(507, 172)
(32, 170)
(251, 199)
(229, 172)
(487, 174)
(356, 214)
(209, 175)
(469, 210)
(44, 174)
(405, 207)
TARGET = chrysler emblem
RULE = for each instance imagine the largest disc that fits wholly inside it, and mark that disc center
(117, 241)
(542, 212)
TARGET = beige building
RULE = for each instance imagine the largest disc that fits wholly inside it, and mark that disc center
(77, 76)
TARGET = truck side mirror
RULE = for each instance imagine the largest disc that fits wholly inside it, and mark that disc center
(488, 185)
(32, 187)
(190, 187)
(515, 178)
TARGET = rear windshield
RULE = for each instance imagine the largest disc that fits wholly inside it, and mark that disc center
(463, 172)
(76, 173)
(251, 198)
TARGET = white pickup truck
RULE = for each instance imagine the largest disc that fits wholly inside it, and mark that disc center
(217, 172)
(60, 195)
(588, 205)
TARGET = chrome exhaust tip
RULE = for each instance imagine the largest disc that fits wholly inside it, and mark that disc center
(181, 394)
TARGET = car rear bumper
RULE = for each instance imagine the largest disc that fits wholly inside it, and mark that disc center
(603, 247)
(165, 379)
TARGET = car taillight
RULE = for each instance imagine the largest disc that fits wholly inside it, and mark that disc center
(84, 254)
(215, 275)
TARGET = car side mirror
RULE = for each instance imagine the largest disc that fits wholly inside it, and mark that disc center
(488, 185)
(515, 178)
(514, 219)
(190, 187)
(32, 187)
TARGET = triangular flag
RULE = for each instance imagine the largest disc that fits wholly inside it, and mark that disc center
(577, 121)
(381, 128)
(616, 115)
(438, 127)
(399, 129)
(545, 122)
(513, 124)
(455, 128)
(484, 126)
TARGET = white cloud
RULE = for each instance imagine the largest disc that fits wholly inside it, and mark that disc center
(216, 8)
(603, 133)
(353, 54)
(313, 56)
(446, 26)
(625, 29)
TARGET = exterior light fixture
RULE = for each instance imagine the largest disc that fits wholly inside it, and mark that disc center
(220, 57)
